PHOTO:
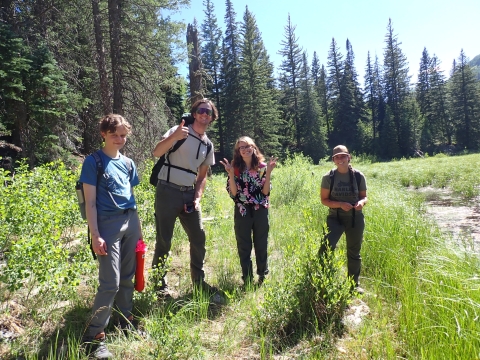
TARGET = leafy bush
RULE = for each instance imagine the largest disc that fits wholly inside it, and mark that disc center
(312, 297)
(39, 221)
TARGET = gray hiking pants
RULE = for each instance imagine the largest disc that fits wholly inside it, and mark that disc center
(353, 229)
(169, 205)
(116, 269)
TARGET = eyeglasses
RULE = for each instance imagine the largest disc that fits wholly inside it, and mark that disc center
(200, 111)
(241, 148)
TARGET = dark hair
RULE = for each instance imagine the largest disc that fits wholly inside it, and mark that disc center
(197, 103)
(110, 123)
(257, 156)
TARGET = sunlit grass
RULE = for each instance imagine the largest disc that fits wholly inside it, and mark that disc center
(422, 288)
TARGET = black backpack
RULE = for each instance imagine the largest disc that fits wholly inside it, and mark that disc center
(161, 161)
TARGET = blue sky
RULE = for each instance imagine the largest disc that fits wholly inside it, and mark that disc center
(443, 27)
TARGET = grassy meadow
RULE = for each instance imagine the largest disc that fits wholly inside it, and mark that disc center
(422, 288)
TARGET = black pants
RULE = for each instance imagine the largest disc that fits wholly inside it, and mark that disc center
(256, 222)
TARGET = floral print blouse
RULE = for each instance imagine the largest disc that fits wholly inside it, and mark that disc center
(249, 189)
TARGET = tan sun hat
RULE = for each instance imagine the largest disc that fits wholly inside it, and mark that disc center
(340, 150)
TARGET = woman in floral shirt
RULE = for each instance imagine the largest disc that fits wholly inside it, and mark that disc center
(248, 184)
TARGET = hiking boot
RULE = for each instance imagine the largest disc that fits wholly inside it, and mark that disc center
(130, 326)
(261, 279)
(95, 347)
(212, 292)
(204, 287)
(359, 290)
(162, 291)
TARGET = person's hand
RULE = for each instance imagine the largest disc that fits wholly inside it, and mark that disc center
(345, 206)
(359, 205)
(99, 246)
(181, 132)
(196, 204)
(228, 166)
(271, 164)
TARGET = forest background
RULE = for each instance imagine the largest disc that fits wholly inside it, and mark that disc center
(64, 64)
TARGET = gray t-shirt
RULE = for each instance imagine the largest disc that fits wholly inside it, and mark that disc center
(186, 157)
(342, 188)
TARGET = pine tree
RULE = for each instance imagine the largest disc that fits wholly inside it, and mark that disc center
(212, 62)
(335, 66)
(260, 116)
(439, 100)
(231, 81)
(374, 101)
(310, 125)
(351, 109)
(290, 68)
(465, 104)
(431, 97)
(396, 85)
(320, 85)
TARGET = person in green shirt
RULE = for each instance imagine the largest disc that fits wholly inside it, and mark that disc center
(344, 191)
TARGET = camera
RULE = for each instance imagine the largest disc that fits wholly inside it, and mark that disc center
(189, 208)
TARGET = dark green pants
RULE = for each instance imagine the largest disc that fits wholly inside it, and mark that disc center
(337, 225)
(254, 222)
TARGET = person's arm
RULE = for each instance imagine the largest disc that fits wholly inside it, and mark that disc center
(99, 246)
(362, 200)
(270, 166)
(139, 222)
(181, 132)
(231, 176)
(325, 198)
(200, 185)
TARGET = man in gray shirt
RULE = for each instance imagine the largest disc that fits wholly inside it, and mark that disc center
(181, 183)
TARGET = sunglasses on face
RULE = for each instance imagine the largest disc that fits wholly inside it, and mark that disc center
(201, 111)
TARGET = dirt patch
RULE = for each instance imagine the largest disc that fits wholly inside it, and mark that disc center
(455, 216)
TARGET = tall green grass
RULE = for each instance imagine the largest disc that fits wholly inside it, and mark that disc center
(422, 287)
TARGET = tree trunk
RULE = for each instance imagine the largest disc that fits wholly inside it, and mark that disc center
(114, 15)
(101, 63)
(194, 65)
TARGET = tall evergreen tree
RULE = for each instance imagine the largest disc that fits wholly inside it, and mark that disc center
(290, 68)
(438, 97)
(260, 116)
(374, 100)
(212, 62)
(465, 104)
(231, 104)
(396, 85)
(431, 97)
(335, 66)
(422, 87)
(311, 123)
(319, 82)
(350, 111)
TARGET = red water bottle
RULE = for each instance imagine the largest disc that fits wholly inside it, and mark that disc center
(140, 251)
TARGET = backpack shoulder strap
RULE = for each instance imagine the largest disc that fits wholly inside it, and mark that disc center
(99, 164)
(209, 146)
(332, 178)
(358, 178)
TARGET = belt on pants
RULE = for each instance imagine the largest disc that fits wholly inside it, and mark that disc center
(175, 186)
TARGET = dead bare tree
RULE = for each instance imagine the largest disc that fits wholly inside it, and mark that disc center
(194, 64)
